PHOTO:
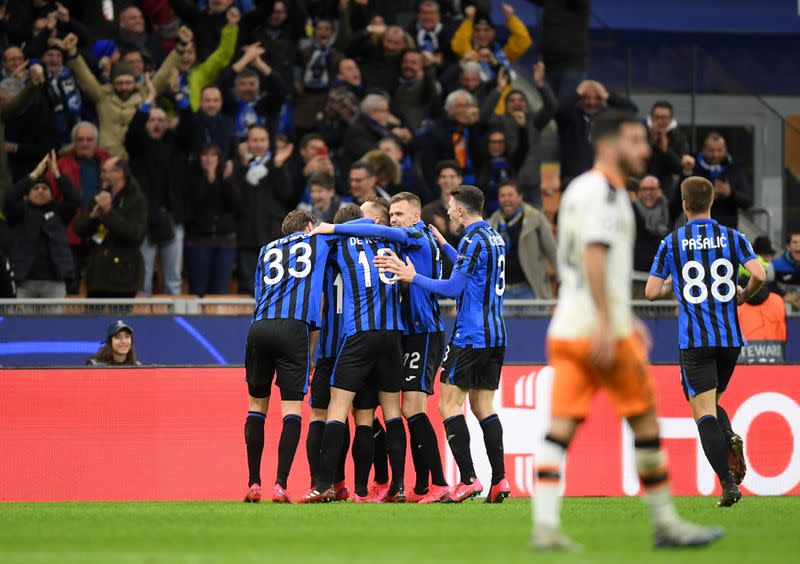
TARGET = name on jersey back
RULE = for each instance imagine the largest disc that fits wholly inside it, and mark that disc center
(704, 243)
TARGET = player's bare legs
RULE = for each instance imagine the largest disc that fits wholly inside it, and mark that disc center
(424, 445)
(482, 404)
(254, 439)
(451, 405)
(395, 443)
(704, 410)
(363, 452)
(287, 445)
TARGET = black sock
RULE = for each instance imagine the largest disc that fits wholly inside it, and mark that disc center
(363, 450)
(332, 441)
(380, 455)
(493, 439)
(313, 446)
(396, 446)
(724, 423)
(343, 456)
(287, 447)
(254, 439)
(417, 456)
(430, 448)
(714, 446)
(457, 435)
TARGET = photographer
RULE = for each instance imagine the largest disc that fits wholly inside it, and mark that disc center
(116, 224)
(40, 255)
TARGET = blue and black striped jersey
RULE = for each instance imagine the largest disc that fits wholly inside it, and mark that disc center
(331, 332)
(289, 277)
(703, 259)
(371, 298)
(420, 308)
(479, 319)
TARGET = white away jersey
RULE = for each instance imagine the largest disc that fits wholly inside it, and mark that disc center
(592, 211)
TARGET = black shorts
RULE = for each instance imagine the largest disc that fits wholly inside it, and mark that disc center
(706, 368)
(470, 368)
(369, 358)
(422, 355)
(277, 345)
(321, 383)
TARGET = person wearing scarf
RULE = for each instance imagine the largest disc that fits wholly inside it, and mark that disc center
(499, 167)
(784, 271)
(63, 93)
(477, 32)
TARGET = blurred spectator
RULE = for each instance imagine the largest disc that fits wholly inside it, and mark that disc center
(410, 179)
(267, 195)
(448, 178)
(763, 317)
(82, 165)
(499, 166)
(784, 271)
(417, 95)
(101, 16)
(118, 349)
(135, 59)
(206, 21)
(10, 106)
(379, 50)
(14, 71)
(212, 208)
(762, 247)
(278, 28)
(40, 254)
(325, 202)
(652, 222)
(669, 146)
(477, 33)
(158, 160)
(469, 79)
(116, 223)
(530, 245)
(363, 184)
(387, 170)
(252, 93)
(574, 119)
(373, 124)
(117, 102)
(456, 137)
(63, 94)
(313, 158)
(731, 190)
(213, 126)
(432, 34)
(57, 23)
(133, 36)
(342, 105)
(564, 28)
(194, 76)
(315, 71)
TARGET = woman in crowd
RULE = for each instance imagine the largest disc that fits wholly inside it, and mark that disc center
(117, 350)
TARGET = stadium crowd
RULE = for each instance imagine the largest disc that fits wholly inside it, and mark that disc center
(175, 135)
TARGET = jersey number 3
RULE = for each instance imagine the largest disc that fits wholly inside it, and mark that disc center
(273, 262)
(695, 290)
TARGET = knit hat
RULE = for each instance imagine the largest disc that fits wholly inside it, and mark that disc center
(103, 48)
(120, 69)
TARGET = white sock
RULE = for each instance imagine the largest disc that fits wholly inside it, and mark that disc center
(651, 464)
(549, 460)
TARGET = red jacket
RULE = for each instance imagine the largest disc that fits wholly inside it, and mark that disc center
(69, 166)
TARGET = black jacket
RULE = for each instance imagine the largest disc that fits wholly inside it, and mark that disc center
(116, 264)
(664, 165)
(436, 144)
(161, 168)
(574, 126)
(29, 224)
(207, 27)
(263, 206)
(218, 129)
(212, 209)
(564, 39)
(379, 70)
(363, 135)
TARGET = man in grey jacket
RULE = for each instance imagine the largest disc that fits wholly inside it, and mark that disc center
(530, 245)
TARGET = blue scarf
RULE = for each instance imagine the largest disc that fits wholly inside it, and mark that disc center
(67, 101)
(487, 72)
(247, 115)
(428, 40)
(714, 171)
(504, 225)
(316, 75)
(499, 171)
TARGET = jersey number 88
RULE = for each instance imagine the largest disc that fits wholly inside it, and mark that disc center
(723, 289)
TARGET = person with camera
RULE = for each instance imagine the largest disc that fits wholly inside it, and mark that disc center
(115, 223)
(40, 254)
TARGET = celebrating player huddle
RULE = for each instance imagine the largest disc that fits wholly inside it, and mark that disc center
(372, 291)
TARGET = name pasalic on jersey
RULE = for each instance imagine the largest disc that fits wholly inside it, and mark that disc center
(702, 243)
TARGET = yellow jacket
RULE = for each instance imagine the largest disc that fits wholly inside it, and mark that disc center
(519, 42)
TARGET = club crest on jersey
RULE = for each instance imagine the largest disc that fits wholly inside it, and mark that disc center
(703, 243)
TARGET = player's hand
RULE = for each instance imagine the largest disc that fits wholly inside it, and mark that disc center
(438, 234)
(391, 263)
(643, 334)
(740, 295)
(604, 347)
(323, 229)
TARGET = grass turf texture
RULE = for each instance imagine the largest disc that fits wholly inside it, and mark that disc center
(611, 530)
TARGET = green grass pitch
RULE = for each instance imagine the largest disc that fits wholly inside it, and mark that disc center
(611, 530)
